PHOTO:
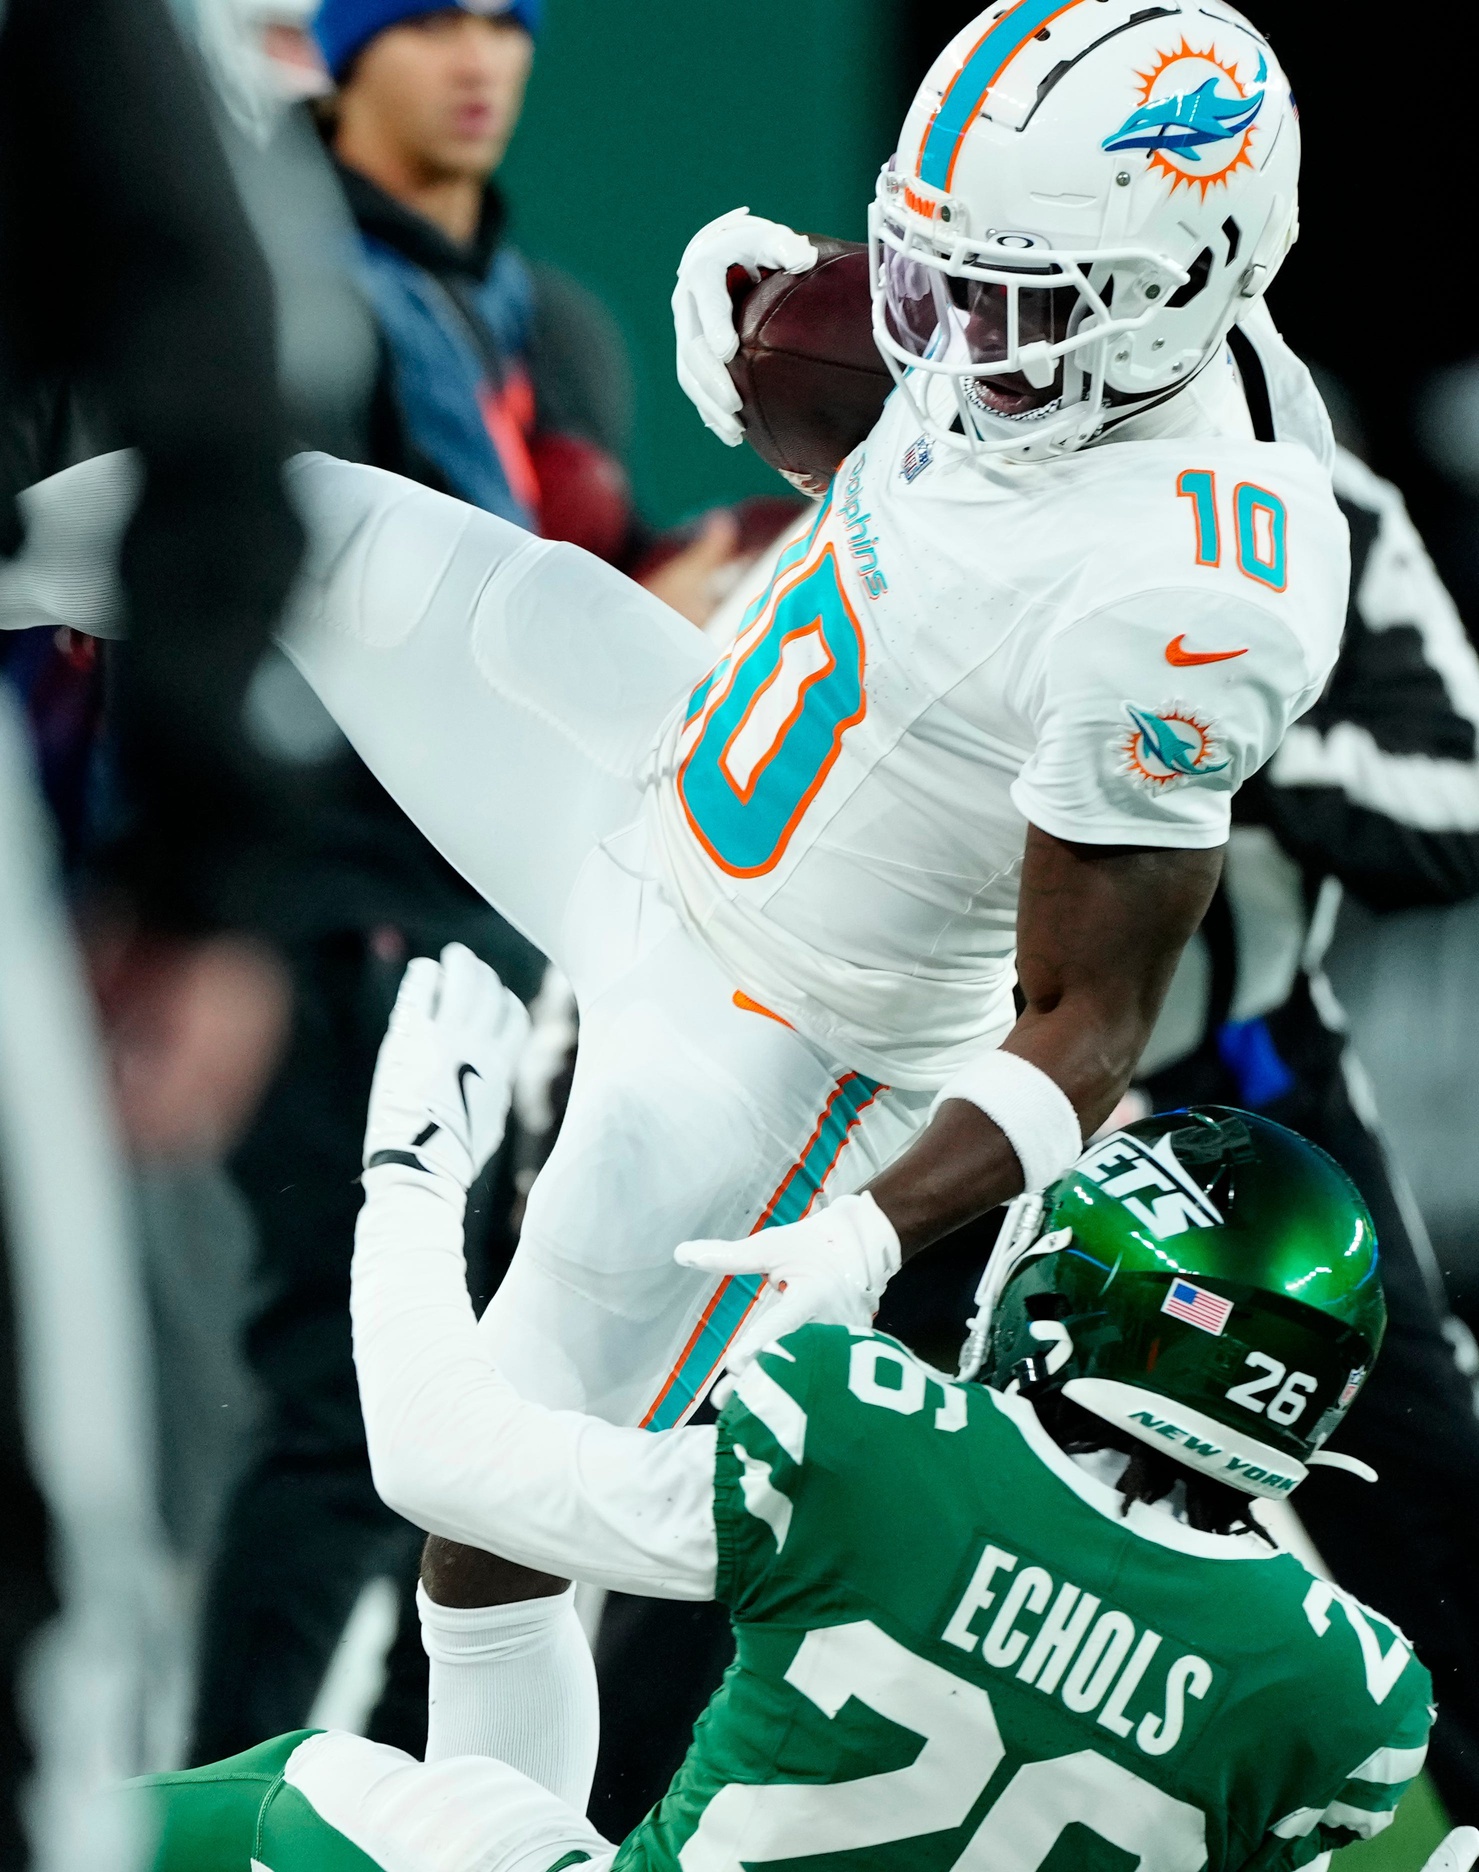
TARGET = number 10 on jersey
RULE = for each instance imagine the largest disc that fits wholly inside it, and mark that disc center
(1260, 522)
(764, 730)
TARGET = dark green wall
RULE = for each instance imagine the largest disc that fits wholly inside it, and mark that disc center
(647, 119)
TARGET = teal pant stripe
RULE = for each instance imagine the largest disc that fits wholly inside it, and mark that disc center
(792, 1199)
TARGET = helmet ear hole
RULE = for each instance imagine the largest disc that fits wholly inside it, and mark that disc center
(1201, 269)
(1047, 1306)
(1234, 237)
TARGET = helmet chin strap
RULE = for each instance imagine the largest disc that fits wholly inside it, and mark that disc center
(1018, 1235)
(1159, 413)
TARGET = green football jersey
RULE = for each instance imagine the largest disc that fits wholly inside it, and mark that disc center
(955, 1651)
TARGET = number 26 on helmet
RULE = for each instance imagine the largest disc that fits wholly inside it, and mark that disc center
(1206, 1281)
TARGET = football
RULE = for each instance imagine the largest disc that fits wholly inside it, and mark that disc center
(810, 378)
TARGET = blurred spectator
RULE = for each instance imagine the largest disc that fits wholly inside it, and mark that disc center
(428, 98)
(129, 283)
(505, 384)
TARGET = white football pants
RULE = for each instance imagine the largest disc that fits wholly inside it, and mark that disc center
(469, 1814)
(507, 692)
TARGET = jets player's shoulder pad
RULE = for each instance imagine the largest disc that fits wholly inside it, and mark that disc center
(816, 1428)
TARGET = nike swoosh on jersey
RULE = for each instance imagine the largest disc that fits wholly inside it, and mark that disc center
(1189, 659)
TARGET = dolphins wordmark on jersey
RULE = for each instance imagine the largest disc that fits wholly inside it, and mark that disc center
(953, 1651)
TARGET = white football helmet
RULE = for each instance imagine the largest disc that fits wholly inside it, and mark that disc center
(1085, 194)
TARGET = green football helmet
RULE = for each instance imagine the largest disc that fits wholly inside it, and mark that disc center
(1205, 1280)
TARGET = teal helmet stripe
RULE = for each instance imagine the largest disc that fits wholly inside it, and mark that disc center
(966, 92)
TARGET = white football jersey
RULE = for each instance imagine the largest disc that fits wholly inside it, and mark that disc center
(1105, 645)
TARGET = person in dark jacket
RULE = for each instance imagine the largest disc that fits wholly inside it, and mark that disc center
(427, 99)
(502, 382)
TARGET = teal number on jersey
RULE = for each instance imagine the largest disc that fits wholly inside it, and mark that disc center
(769, 720)
(1199, 486)
(1262, 529)
(1261, 521)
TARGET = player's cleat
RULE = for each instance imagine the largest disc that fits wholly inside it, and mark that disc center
(1204, 1280)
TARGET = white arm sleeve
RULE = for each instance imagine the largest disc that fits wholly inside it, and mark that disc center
(457, 1451)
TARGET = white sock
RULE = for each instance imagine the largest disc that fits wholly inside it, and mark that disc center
(515, 1682)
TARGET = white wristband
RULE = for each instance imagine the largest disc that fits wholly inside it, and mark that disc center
(1034, 1111)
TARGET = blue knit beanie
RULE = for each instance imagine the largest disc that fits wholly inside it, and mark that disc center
(344, 28)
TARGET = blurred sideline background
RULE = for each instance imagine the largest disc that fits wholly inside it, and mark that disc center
(644, 123)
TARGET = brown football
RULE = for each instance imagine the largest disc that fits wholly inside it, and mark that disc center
(810, 378)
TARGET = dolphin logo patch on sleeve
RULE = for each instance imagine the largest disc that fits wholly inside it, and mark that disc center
(1170, 747)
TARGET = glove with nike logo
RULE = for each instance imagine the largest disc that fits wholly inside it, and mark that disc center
(440, 1097)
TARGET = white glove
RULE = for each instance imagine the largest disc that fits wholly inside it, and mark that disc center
(440, 1096)
(703, 316)
(1457, 1853)
(832, 1266)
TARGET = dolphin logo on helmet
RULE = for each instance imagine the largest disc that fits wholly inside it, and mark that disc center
(1041, 276)
(1187, 122)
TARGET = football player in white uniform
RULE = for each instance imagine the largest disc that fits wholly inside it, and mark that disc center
(980, 730)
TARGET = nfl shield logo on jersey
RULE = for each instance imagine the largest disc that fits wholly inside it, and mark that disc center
(917, 457)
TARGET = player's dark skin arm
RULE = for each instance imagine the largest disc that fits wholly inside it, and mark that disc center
(1099, 932)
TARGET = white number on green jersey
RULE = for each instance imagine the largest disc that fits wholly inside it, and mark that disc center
(962, 1750)
(1383, 1668)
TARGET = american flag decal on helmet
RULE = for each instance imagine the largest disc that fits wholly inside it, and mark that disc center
(1197, 1307)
